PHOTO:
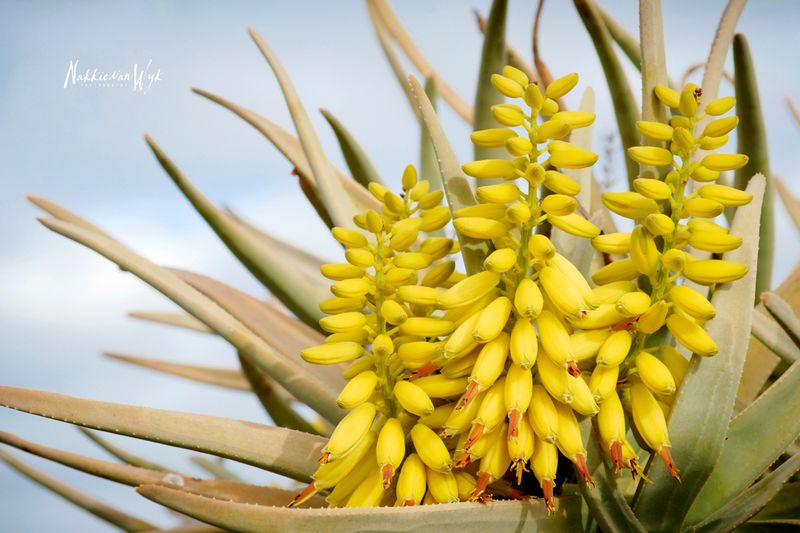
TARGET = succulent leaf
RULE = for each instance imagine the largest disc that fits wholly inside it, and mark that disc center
(362, 169)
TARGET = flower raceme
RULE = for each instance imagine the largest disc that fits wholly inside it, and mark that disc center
(456, 382)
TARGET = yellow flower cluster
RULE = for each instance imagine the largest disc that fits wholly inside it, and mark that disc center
(454, 381)
(668, 221)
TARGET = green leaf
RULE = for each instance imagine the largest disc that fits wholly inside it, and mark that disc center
(625, 107)
(362, 169)
(775, 338)
(514, 58)
(215, 467)
(113, 516)
(752, 500)
(741, 462)
(393, 26)
(704, 404)
(134, 476)
(304, 386)
(493, 59)
(229, 378)
(300, 292)
(783, 313)
(654, 72)
(336, 201)
(283, 451)
(178, 320)
(121, 454)
(276, 405)
(463, 517)
(291, 148)
(456, 186)
(785, 504)
(605, 500)
(287, 334)
(715, 64)
(428, 165)
(753, 142)
(625, 40)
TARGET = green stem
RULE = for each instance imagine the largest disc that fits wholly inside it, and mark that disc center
(381, 366)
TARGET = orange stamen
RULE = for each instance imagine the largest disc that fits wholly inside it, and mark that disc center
(547, 489)
(425, 370)
(472, 391)
(583, 470)
(307, 492)
(326, 455)
(475, 433)
(388, 474)
(572, 368)
(408, 503)
(616, 455)
(514, 417)
(672, 468)
(484, 478)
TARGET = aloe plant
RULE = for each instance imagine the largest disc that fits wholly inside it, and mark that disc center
(562, 334)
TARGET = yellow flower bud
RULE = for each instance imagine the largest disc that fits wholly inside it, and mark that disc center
(702, 207)
(691, 335)
(438, 417)
(654, 374)
(575, 119)
(420, 190)
(501, 260)
(415, 294)
(520, 448)
(492, 137)
(523, 345)
(433, 219)
(583, 401)
(412, 398)
(533, 97)
(668, 97)
(517, 395)
(633, 303)
(391, 449)
(439, 386)
(560, 183)
(554, 128)
(492, 320)
(622, 269)
(542, 415)
(359, 257)
(350, 238)
(492, 211)
(702, 174)
(629, 204)
(442, 486)
(655, 130)
(650, 155)
(491, 362)
(549, 107)
(489, 168)
(507, 86)
(653, 319)
(643, 251)
(710, 271)
(469, 290)
(720, 127)
(612, 243)
(570, 441)
(678, 365)
(586, 344)
(713, 143)
(570, 156)
(357, 390)
(615, 349)
(714, 241)
(337, 305)
(688, 100)
(508, 114)
(431, 449)
(411, 483)
(720, 106)
(413, 260)
(402, 239)
(460, 420)
(393, 312)
(562, 86)
(651, 424)
(727, 196)
(480, 228)
(518, 213)
(519, 146)
(611, 292)
(691, 302)
(426, 327)
(659, 224)
(674, 260)
(544, 463)
(721, 162)
(559, 204)
(554, 378)
(562, 292)
(332, 353)
(603, 382)
(502, 193)
(575, 224)
(652, 188)
(515, 74)
(554, 337)
(341, 271)
(349, 432)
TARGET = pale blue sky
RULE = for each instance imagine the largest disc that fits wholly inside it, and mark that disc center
(83, 147)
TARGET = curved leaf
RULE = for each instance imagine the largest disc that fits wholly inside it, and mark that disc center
(403, 39)
(301, 293)
(715, 65)
(283, 451)
(229, 378)
(753, 143)
(783, 313)
(113, 516)
(775, 338)
(625, 40)
(702, 410)
(514, 58)
(790, 202)
(123, 455)
(625, 107)
(457, 188)
(362, 169)
(785, 504)
(337, 203)
(179, 320)
(291, 148)
(752, 500)
(215, 467)
(493, 59)
(134, 476)
(453, 517)
(428, 164)
(308, 388)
